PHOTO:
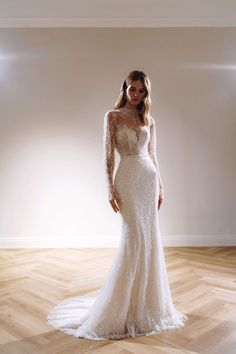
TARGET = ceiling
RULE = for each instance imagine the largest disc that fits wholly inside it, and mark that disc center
(113, 13)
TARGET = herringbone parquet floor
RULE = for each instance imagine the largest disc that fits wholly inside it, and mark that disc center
(32, 281)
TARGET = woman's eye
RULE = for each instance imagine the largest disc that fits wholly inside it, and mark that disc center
(133, 89)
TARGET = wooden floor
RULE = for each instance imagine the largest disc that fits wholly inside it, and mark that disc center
(32, 281)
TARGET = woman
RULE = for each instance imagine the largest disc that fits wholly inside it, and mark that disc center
(135, 299)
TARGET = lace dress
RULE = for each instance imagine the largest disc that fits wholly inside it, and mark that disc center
(135, 299)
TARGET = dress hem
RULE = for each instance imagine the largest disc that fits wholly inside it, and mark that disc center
(166, 325)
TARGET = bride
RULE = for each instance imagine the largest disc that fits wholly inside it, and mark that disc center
(135, 299)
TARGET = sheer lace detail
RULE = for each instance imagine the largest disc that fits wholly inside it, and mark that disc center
(109, 150)
(124, 132)
(152, 153)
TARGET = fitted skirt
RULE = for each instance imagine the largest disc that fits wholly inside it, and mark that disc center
(135, 298)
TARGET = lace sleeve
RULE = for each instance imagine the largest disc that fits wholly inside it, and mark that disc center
(109, 151)
(152, 153)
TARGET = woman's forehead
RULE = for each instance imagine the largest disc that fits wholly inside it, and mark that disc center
(137, 84)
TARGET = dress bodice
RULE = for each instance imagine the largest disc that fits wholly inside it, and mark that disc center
(131, 136)
(124, 131)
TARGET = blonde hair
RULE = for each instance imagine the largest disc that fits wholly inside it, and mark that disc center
(144, 106)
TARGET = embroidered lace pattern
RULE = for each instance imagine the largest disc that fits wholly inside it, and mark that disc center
(118, 126)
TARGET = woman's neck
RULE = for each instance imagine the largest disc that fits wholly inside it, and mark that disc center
(129, 108)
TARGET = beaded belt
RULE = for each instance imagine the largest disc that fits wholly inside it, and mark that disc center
(134, 156)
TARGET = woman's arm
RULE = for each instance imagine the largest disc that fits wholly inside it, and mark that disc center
(152, 153)
(109, 151)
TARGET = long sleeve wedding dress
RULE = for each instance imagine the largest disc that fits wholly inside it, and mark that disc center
(135, 299)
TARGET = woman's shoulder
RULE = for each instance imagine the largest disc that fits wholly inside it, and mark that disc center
(154, 118)
(112, 111)
(111, 114)
(110, 118)
(151, 119)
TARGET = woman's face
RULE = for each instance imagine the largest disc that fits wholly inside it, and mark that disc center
(135, 92)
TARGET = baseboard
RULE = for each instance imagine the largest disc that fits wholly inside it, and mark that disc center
(199, 240)
(113, 241)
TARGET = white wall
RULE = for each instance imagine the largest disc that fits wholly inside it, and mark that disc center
(57, 84)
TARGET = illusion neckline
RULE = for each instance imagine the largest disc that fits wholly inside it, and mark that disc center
(128, 109)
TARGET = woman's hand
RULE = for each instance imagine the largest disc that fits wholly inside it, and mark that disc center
(114, 201)
(161, 198)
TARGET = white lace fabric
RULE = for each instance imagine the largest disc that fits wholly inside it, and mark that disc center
(135, 299)
(123, 130)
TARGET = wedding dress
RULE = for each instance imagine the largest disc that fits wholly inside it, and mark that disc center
(135, 299)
